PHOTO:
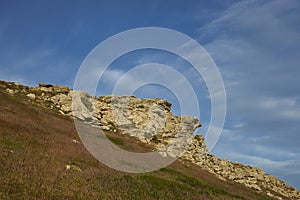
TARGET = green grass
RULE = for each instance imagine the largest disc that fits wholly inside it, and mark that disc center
(193, 182)
(115, 140)
(160, 183)
(10, 143)
(170, 171)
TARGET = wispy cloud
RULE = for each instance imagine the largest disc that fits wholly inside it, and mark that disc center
(256, 46)
(271, 165)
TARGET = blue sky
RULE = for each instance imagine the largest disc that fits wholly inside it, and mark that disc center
(255, 44)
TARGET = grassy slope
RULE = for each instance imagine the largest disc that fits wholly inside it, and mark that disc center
(36, 145)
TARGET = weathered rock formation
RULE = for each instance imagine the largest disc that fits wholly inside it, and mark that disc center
(152, 122)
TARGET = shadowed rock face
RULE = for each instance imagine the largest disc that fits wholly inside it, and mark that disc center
(152, 122)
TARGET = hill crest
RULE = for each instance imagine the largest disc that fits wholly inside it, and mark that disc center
(98, 112)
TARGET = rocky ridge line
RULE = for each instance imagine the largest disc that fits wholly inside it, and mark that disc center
(142, 118)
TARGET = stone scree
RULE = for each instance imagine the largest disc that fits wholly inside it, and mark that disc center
(152, 122)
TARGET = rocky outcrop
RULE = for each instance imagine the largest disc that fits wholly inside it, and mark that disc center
(249, 176)
(152, 122)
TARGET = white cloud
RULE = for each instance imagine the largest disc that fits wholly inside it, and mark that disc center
(239, 125)
(235, 10)
(111, 76)
(254, 43)
(283, 108)
(269, 164)
(253, 76)
(273, 103)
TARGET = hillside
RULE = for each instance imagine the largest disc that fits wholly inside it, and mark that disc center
(42, 156)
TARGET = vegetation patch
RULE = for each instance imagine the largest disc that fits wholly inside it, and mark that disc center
(115, 140)
(10, 143)
(170, 171)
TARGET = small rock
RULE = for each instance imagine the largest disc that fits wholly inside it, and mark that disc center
(256, 187)
(270, 194)
(31, 96)
(73, 167)
(10, 91)
(68, 167)
(231, 177)
(9, 150)
(75, 141)
(61, 112)
(106, 128)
